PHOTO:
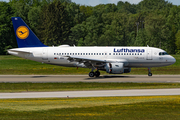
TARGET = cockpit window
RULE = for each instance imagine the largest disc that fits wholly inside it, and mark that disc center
(163, 53)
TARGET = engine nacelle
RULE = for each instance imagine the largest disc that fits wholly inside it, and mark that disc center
(116, 68)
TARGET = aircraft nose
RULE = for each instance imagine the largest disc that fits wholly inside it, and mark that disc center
(173, 60)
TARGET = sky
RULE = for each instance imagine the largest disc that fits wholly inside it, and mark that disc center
(96, 2)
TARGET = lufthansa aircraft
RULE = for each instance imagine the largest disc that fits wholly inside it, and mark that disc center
(113, 60)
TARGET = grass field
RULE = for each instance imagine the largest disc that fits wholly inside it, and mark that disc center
(11, 65)
(101, 108)
(33, 87)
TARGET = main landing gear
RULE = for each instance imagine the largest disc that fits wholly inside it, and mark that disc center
(92, 74)
(149, 72)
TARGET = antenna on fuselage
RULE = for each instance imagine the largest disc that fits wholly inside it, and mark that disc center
(147, 45)
(74, 45)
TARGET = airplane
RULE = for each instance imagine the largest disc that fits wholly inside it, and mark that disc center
(113, 60)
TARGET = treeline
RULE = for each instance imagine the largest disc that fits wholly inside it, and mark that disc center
(151, 22)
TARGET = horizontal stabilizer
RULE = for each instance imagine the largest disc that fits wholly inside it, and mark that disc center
(19, 51)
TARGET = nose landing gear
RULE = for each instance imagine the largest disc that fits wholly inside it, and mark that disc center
(149, 72)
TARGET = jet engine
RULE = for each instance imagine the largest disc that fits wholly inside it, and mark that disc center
(116, 68)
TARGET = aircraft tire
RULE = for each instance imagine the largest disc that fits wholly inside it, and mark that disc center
(91, 74)
(149, 74)
(97, 73)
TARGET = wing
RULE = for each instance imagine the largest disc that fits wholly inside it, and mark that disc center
(95, 62)
(87, 61)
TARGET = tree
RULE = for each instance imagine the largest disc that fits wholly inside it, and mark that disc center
(157, 30)
(54, 27)
(7, 38)
(178, 42)
(33, 18)
(126, 7)
(151, 5)
(21, 10)
(94, 31)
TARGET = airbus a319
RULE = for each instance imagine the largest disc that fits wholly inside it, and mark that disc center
(113, 60)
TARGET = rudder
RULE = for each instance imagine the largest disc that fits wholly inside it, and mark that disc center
(24, 35)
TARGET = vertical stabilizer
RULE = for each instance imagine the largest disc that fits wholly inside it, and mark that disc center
(24, 35)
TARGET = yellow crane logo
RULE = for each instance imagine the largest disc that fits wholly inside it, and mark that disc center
(22, 32)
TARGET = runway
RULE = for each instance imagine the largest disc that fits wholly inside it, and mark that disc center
(85, 78)
(105, 93)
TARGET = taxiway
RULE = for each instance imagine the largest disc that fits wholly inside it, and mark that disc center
(102, 93)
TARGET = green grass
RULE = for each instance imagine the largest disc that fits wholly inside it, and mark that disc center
(11, 65)
(28, 87)
(100, 108)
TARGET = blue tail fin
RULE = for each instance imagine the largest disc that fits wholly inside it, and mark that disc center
(24, 36)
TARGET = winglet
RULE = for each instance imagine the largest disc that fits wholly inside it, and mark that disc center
(24, 35)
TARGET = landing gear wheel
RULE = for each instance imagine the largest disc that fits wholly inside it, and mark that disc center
(149, 74)
(91, 74)
(97, 73)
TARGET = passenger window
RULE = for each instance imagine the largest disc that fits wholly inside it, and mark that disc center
(91, 53)
(121, 53)
(105, 53)
(97, 53)
(54, 53)
(114, 54)
(67, 53)
(140, 53)
(127, 53)
(132, 53)
(86, 53)
(102, 53)
(73, 53)
(94, 53)
(62, 53)
(83, 53)
(76, 53)
(124, 53)
(109, 53)
(57, 54)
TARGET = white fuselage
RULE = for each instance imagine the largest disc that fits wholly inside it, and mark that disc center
(130, 56)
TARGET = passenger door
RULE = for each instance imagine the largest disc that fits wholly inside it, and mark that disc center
(149, 54)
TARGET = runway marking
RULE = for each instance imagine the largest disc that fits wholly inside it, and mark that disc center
(102, 93)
